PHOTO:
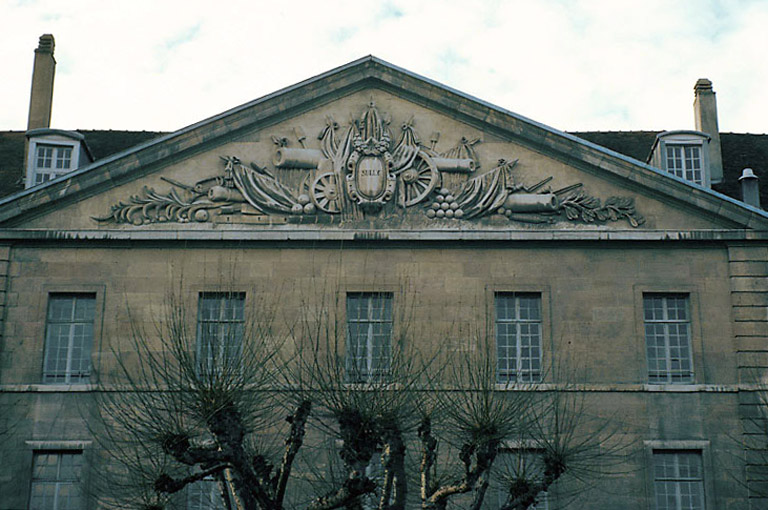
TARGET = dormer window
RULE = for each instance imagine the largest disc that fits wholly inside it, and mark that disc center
(53, 153)
(52, 160)
(684, 161)
(684, 154)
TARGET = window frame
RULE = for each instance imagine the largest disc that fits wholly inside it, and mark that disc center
(207, 481)
(525, 285)
(684, 145)
(533, 376)
(683, 138)
(368, 377)
(33, 170)
(694, 333)
(221, 294)
(703, 447)
(59, 448)
(97, 294)
(670, 373)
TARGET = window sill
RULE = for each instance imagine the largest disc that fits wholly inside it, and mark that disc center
(49, 388)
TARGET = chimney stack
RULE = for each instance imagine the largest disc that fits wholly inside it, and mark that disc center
(750, 192)
(705, 113)
(41, 97)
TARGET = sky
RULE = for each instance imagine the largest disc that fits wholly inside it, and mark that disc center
(607, 65)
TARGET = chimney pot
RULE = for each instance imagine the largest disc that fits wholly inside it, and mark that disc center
(46, 44)
(702, 84)
(750, 191)
(747, 173)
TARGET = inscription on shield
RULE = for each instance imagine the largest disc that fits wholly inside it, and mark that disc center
(370, 177)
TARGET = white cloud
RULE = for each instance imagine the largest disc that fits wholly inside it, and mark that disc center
(589, 65)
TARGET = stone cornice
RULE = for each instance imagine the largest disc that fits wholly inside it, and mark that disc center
(410, 236)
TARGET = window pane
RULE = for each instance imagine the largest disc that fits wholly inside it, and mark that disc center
(678, 480)
(56, 481)
(69, 338)
(63, 157)
(44, 156)
(369, 335)
(204, 495)
(668, 338)
(220, 329)
(684, 161)
(518, 337)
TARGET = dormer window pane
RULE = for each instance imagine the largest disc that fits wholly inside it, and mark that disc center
(51, 161)
(44, 156)
(63, 157)
(684, 161)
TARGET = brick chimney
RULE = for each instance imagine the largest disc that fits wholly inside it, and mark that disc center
(705, 113)
(41, 97)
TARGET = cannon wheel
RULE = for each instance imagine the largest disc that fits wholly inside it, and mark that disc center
(326, 193)
(419, 180)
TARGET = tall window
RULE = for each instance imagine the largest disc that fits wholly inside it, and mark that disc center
(220, 329)
(668, 338)
(68, 338)
(51, 161)
(518, 337)
(369, 337)
(56, 481)
(678, 480)
(204, 495)
(684, 161)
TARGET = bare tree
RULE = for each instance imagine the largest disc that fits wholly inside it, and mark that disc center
(369, 411)
(437, 421)
(190, 410)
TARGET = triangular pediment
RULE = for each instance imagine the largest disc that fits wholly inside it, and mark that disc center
(370, 146)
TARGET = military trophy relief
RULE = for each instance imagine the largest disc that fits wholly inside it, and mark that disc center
(358, 174)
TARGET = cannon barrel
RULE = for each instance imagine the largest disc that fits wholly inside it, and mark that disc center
(297, 158)
(531, 202)
(462, 165)
(222, 194)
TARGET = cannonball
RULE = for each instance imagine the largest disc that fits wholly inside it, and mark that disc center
(449, 213)
(454, 205)
(501, 210)
(449, 198)
(445, 206)
(435, 206)
(508, 213)
(440, 198)
(309, 209)
(201, 215)
(297, 209)
(458, 213)
(431, 213)
(303, 199)
(440, 213)
(445, 191)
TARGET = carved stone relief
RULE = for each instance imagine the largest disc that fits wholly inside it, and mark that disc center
(358, 172)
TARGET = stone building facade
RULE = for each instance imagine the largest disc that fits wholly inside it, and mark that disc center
(368, 175)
